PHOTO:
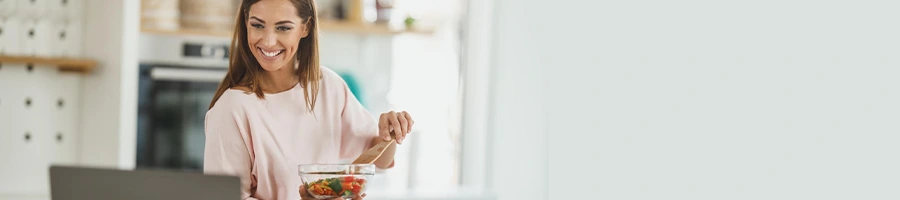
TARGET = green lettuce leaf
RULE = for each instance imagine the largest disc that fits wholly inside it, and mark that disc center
(335, 185)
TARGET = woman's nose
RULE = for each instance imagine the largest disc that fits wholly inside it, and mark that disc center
(269, 39)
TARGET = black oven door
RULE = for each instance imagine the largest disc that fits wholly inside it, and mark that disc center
(172, 105)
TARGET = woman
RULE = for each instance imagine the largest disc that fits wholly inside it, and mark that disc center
(277, 108)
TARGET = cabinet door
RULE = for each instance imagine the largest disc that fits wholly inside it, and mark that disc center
(7, 8)
(11, 31)
(66, 111)
(24, 143)
(32, 8)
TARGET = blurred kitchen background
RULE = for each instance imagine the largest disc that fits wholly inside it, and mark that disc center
(782, 99)
(126, 84)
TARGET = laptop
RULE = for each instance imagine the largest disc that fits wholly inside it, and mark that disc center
(82, 183)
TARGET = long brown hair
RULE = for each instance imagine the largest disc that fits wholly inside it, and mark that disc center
(245, 71)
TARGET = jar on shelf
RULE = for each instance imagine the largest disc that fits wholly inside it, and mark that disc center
(212, 15)
(159, 14)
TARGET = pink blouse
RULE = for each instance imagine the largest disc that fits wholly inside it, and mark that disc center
(264, 140)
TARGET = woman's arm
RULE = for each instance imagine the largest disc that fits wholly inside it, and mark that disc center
(360, 130)
(227, 150)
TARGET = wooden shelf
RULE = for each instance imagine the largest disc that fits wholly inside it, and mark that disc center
(359, 28)
(324, 26)
(64, 64)
(188, 32)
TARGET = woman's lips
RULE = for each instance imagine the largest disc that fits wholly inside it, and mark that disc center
(270, 55)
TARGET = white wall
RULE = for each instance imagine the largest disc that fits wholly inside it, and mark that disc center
(782, 99)
(109, 112)
(517, 135)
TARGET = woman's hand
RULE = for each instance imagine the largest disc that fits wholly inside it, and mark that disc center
(305, 195)
(398, 122)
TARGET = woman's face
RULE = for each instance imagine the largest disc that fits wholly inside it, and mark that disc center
(273, 32)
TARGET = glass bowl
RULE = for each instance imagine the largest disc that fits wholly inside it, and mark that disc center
(336, 180)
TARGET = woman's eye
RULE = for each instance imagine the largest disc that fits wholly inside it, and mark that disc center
(257, 26)
(284, 28)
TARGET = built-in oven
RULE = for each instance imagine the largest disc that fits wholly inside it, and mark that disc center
(178, 78)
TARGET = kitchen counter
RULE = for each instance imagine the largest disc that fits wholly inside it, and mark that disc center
(460, 194)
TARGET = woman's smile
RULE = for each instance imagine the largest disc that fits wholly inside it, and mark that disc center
(270, 54)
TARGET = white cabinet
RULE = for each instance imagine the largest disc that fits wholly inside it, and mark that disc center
(38, 125)
(7, 7)
(64, 9)
(26, 37)
(40, 116)
(69, 39)
(4, 34)
(66, 111)
(11, 29)
(43, 37)
(24, 139)
(32, 8)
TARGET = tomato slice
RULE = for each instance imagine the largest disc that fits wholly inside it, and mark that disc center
(347, 186)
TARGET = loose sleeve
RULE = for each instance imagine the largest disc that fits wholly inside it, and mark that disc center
(358, 126)
(228, 149)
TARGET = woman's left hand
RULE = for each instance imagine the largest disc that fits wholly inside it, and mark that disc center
(398, 122)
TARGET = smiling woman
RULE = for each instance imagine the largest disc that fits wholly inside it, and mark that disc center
(264, 120)
(289, 22)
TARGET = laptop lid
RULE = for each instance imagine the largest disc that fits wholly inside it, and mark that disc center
(82, 183)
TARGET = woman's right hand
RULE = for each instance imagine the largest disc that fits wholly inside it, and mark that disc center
(305, 195)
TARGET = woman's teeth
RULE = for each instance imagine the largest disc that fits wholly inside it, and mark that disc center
(270, 54)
